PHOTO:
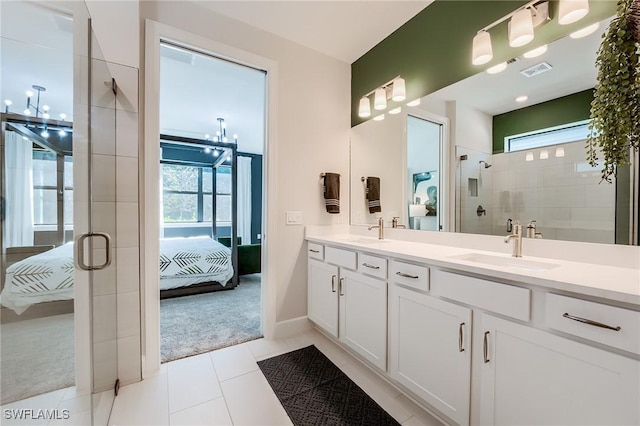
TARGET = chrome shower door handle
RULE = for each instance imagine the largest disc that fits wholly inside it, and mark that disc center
(80, 251)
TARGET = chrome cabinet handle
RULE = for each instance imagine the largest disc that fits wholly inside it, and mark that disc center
(341, 286)
(370, 266)
(402, 274)
(485, 347)
(460, 338)
(333, 283)
(81, 264)
(591, 322)
(314, 251)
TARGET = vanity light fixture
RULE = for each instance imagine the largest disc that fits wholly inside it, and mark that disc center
(380, 99)
(521, 28)
(529, 156)
(585, 31)
(395, 110)
(221, 133)
(522, 22)
(544, 154)
(536, 52)
(394, 90)
(378, 117)
(559, 151)
(36, 108)
(414, 102)
(497, 68)
(570, 11)
(522, 98)
(364, 110)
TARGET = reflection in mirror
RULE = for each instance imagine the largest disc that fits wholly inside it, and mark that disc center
(521, 160)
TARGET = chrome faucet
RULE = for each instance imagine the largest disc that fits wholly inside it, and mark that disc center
(517, 237)
(380, 227)
(394, 223)
(531, 230)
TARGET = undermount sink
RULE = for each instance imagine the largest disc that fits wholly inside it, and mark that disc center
(506, 262)
(365, 241)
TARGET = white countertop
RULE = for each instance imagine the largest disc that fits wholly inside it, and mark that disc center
(601, 281)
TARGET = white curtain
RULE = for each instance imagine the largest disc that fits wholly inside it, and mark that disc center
(18, 225)
(244, 199)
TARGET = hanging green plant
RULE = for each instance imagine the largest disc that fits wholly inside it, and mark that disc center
(615, 109)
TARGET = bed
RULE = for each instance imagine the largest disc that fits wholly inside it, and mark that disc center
(184, 262)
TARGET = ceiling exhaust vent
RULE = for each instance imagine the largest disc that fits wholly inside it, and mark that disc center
(537, 69)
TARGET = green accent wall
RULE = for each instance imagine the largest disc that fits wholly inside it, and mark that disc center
(564, 110)
(433, 49)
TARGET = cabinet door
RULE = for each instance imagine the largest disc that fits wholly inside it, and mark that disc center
(430, 350)
(322, 295)
(530, 376)
(363, 316)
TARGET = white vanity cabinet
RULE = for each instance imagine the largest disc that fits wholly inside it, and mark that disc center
(348, 304)
(430, 349)
(532, 376)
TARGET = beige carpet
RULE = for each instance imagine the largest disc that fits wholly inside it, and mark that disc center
(36, 356)
(196, 324)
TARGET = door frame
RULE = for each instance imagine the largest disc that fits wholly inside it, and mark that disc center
(155, 33)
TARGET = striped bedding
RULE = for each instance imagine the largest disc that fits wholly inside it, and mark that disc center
(48, 276)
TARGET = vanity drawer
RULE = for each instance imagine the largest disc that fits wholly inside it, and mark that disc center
(316, 251)
(340, 257)
(372, 265)
(503, 299)
(567, 314)
(415, 276)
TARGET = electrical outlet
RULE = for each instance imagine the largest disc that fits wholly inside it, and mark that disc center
(294, 218)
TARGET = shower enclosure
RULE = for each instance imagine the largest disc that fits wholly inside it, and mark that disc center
(57, 272)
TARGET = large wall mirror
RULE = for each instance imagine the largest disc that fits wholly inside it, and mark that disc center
(472, 159)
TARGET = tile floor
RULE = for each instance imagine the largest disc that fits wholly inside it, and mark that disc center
(223, 387)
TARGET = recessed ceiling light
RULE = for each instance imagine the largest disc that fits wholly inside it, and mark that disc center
(497, 68)
(415, 102)
(378, 117)
(522, 98)
(536, 52)
(585, 31)
(529, 156)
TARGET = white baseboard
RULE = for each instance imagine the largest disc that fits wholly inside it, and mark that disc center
(291, 327)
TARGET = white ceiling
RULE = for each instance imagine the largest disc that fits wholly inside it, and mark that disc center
(573, 62)
(341, 29)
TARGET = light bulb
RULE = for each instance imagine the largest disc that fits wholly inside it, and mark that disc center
(207, 135)
(228, 158)
(27, 111)
(44, 133)
(207, 150)
(8, 102)
(224, 139)
(482, 51)
(63, 115)
(380, 99)
(570, 11)
(218, 133)
(365, 107)
(398, 93)
(235, 136)
(29, 93)
(45, 115)
(521, 28)
(536, 52)
(215, 153)
(45, 107)
(62, 133)
(414, 102)
(497, 68)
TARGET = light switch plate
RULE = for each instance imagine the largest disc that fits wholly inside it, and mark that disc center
(294, 218)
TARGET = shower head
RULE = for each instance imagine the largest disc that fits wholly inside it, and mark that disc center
(486, 165)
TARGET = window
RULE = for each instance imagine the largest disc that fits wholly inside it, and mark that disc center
(187, 194)
(45, 189)
(546, 137)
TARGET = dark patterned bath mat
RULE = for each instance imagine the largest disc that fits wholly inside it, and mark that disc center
(313, 391)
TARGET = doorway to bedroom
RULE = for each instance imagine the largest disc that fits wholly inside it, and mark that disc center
(212, 127)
